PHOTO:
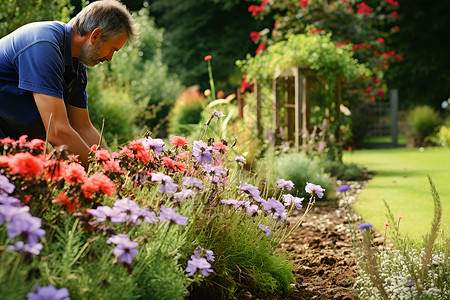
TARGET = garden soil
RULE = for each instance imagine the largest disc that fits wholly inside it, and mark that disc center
(322, 254)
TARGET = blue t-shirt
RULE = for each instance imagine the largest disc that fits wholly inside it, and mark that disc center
(37, 58)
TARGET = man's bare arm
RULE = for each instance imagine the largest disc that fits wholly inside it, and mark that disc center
(61, 132)
(80, 121)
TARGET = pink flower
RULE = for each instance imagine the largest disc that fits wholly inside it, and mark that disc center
(112, 165)
(178, 141)
(363, 8)
(36, 144)
(26, 165)
(303, 3)
(22, 140)
(96, 183)
(74, 173)
(103, 155)
(220, 146)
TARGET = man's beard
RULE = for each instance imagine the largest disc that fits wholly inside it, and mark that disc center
(89, 55)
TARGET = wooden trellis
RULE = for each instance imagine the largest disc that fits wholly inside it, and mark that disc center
(297, 84)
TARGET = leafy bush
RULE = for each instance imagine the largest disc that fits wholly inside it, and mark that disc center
(343, 171)
(300, 169)
(185, 116)
(423, 120)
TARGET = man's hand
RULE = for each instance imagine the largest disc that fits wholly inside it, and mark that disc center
(80, 121)
(60, 131)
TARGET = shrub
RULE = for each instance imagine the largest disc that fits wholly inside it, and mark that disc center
(343, 171)
(423, 120)
(185, 116)
(300, 169)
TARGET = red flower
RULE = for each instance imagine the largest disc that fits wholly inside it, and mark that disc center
(178, 141)
(386, 55)
(96, 183)
(55, 169)
(261, 47)
(94, 148)
(376, 53)
(74, 173)
(303, 3)
(386, 224)
(179, 166)
(244, 84)
(140, 151)
(392, 2)
(363, 8)
(255, 36)
(112, 165)
(368, 89)
(220, 146)
(36, 144)
(208, 57)
(22, 140)
(375, 80)
(319, 31)
(398, 57)
(127, 152)
(103, 155)
(381, 40)
(64, 200)
(4, 161)
(26, 165)
(168, 162)
(394, 14)
(7, 140)
(380, 93)
(395, 28)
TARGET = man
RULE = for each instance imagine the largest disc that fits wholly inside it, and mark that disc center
(43, 75)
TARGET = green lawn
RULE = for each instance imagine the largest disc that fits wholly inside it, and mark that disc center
(401, 180)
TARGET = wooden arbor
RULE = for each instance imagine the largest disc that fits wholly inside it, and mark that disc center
(296, 86)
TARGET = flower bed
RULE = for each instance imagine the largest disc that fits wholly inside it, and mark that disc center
(149, 221)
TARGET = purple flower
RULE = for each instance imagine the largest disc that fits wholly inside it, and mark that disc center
(198, 264)
(124, 250)
(236, 203)
(314, 189)
(131, 209)
(6, 186)
(8, 200)
(202, 252)
(251, 208)
(193, 182)
(343, 188)
(266, 229)
(409, 283)
(202, 152)
(289, 199)
(240, 159)
(169, 214)
(250, 189)
(48, 293)
(184, 194)
(28, 248)
(147, 215)
(288, 184)
(167, 183)
(218, 114)
(107, 213)
(365, 226)
(274, 206)
(10, 212)
(156, 144)
(26, 226)
(215, 172)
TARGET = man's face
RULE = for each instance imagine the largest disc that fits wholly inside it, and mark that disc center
(100, 51)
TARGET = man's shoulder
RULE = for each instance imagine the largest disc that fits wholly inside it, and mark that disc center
(49, 30)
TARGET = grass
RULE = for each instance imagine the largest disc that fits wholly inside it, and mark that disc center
(401, 139)
(401, 180)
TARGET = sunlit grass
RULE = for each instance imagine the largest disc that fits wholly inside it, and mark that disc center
(401, 179)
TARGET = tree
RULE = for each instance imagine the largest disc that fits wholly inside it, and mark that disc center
(197, 28)
(15, 13)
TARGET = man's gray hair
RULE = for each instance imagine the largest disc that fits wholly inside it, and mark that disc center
(111, 16)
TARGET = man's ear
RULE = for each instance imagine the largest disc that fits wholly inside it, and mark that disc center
(95, 35)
